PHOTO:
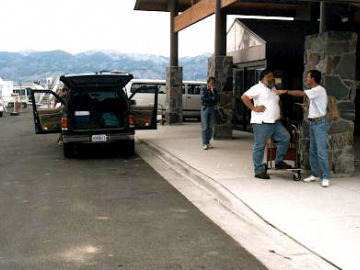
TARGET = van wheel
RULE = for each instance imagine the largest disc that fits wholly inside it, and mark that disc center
(130, 148)
(1, 114)
(68, 150)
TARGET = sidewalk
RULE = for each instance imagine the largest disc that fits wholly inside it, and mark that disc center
(325, 221)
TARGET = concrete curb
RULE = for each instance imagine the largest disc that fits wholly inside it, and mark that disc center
(222, 195)
(234, 204)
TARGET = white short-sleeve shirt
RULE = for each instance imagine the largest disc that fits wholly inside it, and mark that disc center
(318, 101)
(263, 95)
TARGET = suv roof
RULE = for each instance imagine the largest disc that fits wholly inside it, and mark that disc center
(98, 80)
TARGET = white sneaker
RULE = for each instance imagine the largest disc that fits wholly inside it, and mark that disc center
(311, 178)
(210, 146)
(325, 183)
(205, 147)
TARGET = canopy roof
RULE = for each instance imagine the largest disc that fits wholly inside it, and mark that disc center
(192, 11)
(232, 6)
(252, 7)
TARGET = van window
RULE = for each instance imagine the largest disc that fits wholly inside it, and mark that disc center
(147, 88)
(194, 89)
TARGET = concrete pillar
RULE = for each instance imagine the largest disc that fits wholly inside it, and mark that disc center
(221, 68)
(173, 107)
(334, 55)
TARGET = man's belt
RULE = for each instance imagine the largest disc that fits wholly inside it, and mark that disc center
(316, 119)
(276, 121)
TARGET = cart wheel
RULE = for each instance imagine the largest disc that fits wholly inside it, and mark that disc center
(297, 176)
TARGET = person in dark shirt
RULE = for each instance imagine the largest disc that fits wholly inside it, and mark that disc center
(209, 98)
(62, 93)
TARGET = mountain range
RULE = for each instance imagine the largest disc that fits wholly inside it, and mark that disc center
(30, 66)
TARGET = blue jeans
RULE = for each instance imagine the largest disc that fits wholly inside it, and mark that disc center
(207, 123)
(319, 153)
(262, 132)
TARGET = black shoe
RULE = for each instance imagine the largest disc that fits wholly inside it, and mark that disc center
(282, 166)
(262, 175)
(265, 167)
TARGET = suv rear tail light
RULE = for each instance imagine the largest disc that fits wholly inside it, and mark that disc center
(131, 121)
(64, 123)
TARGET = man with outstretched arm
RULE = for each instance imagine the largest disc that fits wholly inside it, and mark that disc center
(319, 153)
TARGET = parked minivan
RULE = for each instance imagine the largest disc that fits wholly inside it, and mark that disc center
(97, 111)
(191, 94)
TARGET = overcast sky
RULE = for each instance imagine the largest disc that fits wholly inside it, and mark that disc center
(82, 25)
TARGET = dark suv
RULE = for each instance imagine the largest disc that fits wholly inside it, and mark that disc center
(97, 110)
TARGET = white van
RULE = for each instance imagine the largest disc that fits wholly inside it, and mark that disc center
(191, 95)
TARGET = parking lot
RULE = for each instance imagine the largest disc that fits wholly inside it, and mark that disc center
(98, 211)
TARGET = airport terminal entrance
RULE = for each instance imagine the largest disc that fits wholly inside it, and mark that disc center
(244, 78)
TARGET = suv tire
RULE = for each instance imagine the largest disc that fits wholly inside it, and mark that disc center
(68, 150)
(130, 147)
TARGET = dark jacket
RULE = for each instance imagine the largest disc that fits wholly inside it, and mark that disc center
(208, 98)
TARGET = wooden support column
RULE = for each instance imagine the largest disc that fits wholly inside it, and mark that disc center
(220, 30)
(174, 36)
(324, 20)
(174, 75)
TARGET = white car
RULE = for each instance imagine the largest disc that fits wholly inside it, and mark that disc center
(2, 108)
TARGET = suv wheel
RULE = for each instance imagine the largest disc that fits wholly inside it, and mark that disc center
(130, 147)
(68, 150)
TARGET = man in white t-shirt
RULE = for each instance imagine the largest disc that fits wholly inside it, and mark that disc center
(265, 120)
(319, 153)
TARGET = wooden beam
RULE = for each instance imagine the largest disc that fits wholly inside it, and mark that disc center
(197, 12)
(225, 3)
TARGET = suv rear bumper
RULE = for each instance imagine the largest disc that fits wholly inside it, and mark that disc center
(86, 139)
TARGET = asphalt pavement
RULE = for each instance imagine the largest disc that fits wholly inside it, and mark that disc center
(98, 211)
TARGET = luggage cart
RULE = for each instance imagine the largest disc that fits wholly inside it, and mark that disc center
(293, 152)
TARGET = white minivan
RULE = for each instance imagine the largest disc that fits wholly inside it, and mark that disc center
(191, 95)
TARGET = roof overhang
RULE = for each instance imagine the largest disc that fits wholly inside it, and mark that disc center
(182, 5)
(193, 11)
